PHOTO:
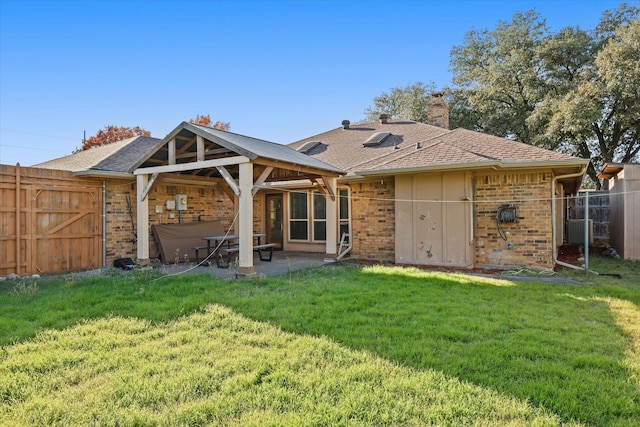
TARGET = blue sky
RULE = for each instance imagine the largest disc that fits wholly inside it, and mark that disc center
(276, 70)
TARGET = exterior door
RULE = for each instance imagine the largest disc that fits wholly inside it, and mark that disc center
(274, 220)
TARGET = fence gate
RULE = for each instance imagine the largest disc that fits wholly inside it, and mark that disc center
(50, 222)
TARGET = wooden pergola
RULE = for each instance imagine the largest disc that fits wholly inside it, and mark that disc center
(242, 164)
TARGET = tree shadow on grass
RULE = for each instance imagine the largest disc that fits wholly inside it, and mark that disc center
(555, 346)
(552, 345)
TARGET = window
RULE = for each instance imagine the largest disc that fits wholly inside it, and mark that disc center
(319, 217)
(308, 215)
(298, 216)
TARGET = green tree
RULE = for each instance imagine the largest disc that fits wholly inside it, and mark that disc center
(574, 91)
(499, 76)
(409, 102)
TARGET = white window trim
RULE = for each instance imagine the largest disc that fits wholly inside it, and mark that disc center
(311, 220)
(292, 220)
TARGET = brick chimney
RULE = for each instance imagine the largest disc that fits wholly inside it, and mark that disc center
(384, 117)
(438, 111)
(345, 124)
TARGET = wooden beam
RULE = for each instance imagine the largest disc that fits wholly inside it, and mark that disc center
(69, 221)
(296, 168)
(210, 152)
(230, 194)
(263, 176)
(188, 143)
(229, 179)
(200, 148)
(226, 161)
(321, 186)
(171, 146)
(327, 185)
(147, 188)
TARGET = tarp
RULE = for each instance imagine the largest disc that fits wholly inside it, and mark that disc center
(176, 240)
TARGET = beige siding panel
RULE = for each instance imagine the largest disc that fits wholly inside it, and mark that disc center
(432, 220)
(405, 238)
(429, 224)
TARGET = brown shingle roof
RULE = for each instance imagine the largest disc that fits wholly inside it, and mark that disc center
(343, 147)
(439, 148)
(117, 157)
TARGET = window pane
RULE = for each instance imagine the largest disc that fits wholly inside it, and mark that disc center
(298, 230)
(344, 204)
(319, 230)
(298, 205)
(319, 206)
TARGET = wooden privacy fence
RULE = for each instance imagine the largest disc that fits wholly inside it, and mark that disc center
(50, 222)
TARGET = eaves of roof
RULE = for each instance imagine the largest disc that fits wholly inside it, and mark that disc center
(93, 173)
(489, 164)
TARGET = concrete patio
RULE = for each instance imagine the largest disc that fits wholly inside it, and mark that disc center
(281, 263)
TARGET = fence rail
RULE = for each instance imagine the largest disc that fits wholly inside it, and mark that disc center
(50, 222)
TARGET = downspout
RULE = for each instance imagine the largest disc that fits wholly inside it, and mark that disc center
(104, 224)
(553, 214)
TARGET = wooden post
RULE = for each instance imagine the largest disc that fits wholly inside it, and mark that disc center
(245, 220)
(18, 236)
(332, 216)
(142, 219)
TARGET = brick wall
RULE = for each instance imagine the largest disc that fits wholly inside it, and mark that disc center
(529, 241)
(120, 232)
(204, 203)
(373, 219)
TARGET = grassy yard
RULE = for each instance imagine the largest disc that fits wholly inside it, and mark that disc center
(332, 346)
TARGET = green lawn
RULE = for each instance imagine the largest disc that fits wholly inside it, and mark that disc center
(331, 346)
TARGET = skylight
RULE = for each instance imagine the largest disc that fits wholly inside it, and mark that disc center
(307, 146)
(376, 139)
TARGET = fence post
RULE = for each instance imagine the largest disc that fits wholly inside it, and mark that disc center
(18, 237)
(586, 232)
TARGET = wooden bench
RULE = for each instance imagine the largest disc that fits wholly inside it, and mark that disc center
(265, 247)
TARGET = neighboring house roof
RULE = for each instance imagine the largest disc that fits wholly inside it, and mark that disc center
(609, 170)
(414, 146)
(115, 158)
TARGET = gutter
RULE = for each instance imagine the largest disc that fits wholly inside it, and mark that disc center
(555, 179)
(495, 165)
(92, 173)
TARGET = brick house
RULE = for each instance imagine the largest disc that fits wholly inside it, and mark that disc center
(424, 194)
(390, 190)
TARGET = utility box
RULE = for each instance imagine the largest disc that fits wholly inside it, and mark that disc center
(181, 202)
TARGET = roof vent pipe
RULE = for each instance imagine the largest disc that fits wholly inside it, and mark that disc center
(345, 124)
(418, 146)
(384, 117)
